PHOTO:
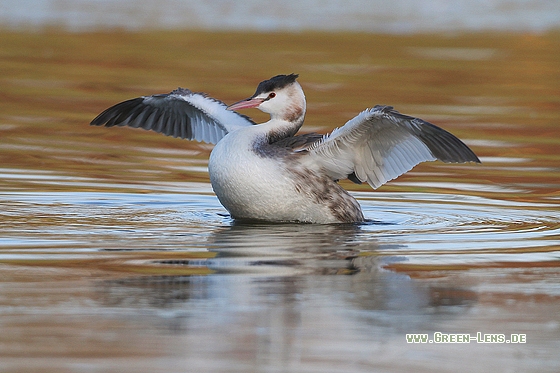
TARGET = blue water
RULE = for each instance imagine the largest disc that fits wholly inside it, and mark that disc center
(400, 16)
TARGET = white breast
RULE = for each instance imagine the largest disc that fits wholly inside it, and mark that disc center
(237, 174)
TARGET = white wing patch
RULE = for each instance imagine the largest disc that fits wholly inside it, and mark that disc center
(226, 120)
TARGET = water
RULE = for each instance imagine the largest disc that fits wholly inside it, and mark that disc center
(398, 16)
(115, 255)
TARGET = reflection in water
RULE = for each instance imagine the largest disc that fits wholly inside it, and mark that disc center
(320, 289)
(280, 321)
(291, 248)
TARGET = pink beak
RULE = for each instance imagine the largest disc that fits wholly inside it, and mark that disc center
(246, 104)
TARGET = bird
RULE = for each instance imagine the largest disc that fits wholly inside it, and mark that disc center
(267, 172)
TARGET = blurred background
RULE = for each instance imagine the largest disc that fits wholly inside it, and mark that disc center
(397, 16)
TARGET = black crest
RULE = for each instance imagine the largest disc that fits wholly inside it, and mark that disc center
(276, 82)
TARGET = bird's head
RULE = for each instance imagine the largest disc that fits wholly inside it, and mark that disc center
(281, 96)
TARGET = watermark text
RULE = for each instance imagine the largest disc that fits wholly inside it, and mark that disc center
(479, 337)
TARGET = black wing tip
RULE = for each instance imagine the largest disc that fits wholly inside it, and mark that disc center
(101, 119)
(96, 122)
(470, 157)
(110, 116)
(445, 146)
(461, 158)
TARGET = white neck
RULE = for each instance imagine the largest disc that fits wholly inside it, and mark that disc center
(287, 112)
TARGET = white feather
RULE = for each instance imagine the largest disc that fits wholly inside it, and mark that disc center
(374, 145)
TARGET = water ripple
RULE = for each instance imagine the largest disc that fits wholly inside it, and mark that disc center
(419, 227)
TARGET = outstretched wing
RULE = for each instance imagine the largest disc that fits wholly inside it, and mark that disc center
(181, 113)
(381, 144)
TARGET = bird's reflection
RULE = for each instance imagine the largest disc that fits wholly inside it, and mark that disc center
(288, 249)
(279, 278)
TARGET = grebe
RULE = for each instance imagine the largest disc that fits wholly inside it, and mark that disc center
(266, 172)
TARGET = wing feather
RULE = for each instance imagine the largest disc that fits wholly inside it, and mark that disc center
(381, 144)
(181, 113)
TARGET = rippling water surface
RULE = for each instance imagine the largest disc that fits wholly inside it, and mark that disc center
(116, 256)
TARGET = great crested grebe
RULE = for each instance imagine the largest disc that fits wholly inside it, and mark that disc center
(265, 172)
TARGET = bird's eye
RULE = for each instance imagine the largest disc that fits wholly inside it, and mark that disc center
(271, 95)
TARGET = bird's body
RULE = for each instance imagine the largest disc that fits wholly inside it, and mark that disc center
(266, 172)
(257, 180)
